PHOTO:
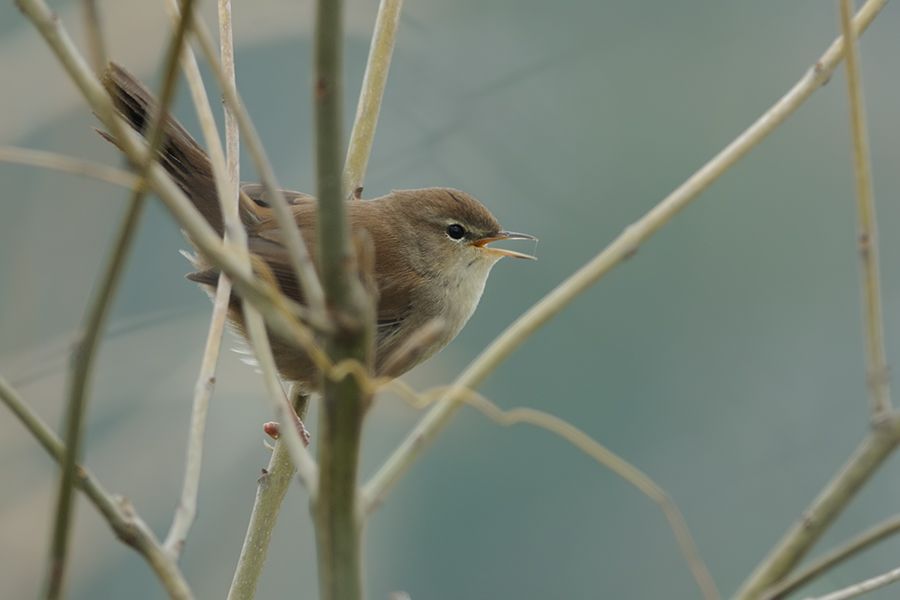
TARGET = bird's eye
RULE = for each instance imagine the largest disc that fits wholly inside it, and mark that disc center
(456, 231)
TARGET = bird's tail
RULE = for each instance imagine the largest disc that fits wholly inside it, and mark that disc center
(180, 154)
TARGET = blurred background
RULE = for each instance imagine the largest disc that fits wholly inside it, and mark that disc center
(725, 359)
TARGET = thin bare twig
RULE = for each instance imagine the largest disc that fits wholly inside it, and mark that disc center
(96, 42)
(117, 511)
(620, 249)
(374, 81)
(865, 540)
(590, 447)
(67, 164)
(884, 437)
(876, 361)
(87, 345)
(186, 510)
(863, 587)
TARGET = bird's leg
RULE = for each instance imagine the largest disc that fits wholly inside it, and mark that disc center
(273, 430)
(300, 405)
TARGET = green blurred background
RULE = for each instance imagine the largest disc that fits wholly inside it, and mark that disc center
(725, 359)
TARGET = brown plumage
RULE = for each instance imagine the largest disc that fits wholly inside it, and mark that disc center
(431, 255)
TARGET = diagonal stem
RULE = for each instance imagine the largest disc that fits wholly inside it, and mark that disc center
(374, 81)
(119, 514)
(619, 250)
(823, 511)
(862, 542)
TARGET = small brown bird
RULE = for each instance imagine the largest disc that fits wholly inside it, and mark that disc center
(431, 262)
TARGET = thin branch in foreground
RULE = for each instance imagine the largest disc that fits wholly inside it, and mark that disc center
(67, 164)
(86, 347)
(379, 63)
(620, 249)
(863, 587)
(96, 44)
(118, 513)
(186, 511)
(187, 504)
(865, 540)
(876, 361)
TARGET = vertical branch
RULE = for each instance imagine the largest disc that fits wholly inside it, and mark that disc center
(335, 510)
(876, 361)
(186, 510)
(96, 44)
(273, 485)
(334, 238)
(86, 347)
(374, 81)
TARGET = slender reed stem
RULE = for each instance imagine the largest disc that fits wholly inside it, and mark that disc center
(222, 175)
(96, 43)
(374, 81)
(863, 587)
(67, 164)
(876, 361)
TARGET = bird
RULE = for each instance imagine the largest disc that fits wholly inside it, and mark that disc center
(432, 252)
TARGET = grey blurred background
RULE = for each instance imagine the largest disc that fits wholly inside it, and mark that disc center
(725, 359)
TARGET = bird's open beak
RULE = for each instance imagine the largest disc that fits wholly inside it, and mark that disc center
(505, 235)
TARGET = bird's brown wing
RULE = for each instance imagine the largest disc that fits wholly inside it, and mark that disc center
(394, 275)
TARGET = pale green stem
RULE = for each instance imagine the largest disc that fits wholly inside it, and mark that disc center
(374, 81)
(273, 485)
(873, 329)
(344, 401)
